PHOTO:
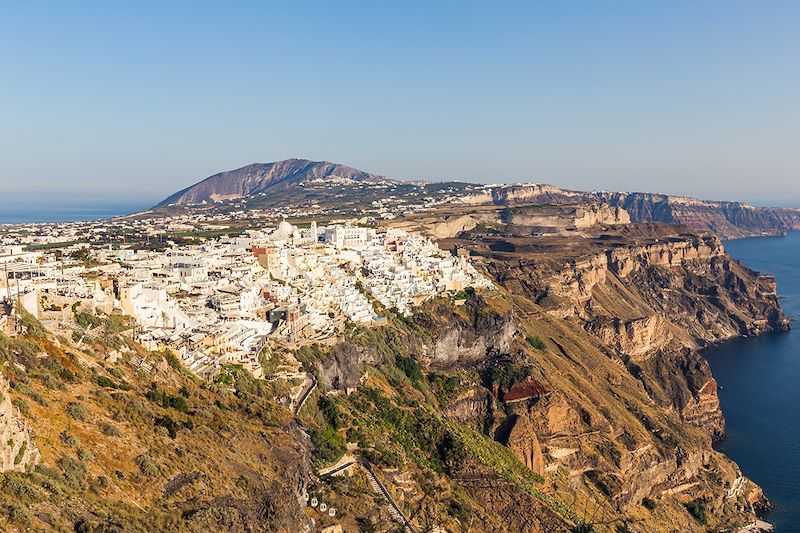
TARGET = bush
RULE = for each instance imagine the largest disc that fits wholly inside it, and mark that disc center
(22, 405)
(445, 387)
(74, 471)
(19, 488)
(17, 514)
(410, 368)
(85, 455)
(504, 372)
(329, 446)
(536, 342)
(24, 388)
(649, 503)
(169, 424)
(329, 410)
(21, 453)
(103, 381)
(167, 400)
(77, 411)
(70, 440)
(147, 466)
(697, 509)
(110, 430)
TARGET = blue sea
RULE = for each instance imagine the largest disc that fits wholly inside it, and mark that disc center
(759, 380)
(16, 211)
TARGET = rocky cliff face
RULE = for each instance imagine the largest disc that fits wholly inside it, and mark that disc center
(584, 366)
(622, 315)
(565, 218)
(726, 219)
(17, 449)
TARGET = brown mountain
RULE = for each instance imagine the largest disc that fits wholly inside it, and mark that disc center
(259, 178)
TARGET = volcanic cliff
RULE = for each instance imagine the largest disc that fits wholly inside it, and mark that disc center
(582, 363)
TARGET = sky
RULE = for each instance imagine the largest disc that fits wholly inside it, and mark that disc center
(135, 100)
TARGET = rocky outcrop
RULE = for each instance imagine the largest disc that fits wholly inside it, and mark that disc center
(470, 343)
(523, 442)
(452, 226)
(552, 218)
(597, 214)
(17, 449)
(523, 194)
(638, 338)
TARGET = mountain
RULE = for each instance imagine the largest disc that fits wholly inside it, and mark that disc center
(327, 183)
(259, 178)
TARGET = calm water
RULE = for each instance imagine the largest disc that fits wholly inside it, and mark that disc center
(15, 211)
(760, 386)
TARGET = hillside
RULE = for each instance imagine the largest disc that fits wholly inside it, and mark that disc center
(572, 391)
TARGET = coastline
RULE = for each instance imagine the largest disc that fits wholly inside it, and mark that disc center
(752, 371)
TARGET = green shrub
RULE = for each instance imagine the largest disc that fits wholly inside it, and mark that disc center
(329, 410)
(85, 455)
(110, 430)
(329, 446)
(504, 372)
(104, 381)
(70, 440)
(21, 453)
(22, 405)
(168, 424)
(17, 514)
(77, 411)
(445, 387)
(147, 466)
(74, 471)
(167, 400)
(536, 342)
(19, 487)
(410, 367)
(697, 509)
(24, 388)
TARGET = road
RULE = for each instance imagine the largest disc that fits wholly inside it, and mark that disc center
(306, 394)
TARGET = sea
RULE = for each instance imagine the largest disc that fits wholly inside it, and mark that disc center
(19, 211)
(759, 379)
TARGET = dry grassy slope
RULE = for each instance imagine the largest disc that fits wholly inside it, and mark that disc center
(237, 461)
(606, 445)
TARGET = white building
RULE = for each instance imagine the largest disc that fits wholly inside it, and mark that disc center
(342, 236)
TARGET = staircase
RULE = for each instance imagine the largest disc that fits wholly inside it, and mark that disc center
(394, 510)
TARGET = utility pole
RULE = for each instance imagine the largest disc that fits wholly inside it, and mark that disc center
(8, 284)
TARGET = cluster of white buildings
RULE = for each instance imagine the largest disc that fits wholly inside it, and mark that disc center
(219, 302)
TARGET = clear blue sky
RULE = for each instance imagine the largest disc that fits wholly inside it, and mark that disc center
(139, 99)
